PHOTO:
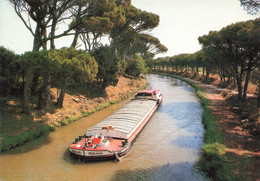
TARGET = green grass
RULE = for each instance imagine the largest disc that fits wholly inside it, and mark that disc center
(14, 141)
(213, 161)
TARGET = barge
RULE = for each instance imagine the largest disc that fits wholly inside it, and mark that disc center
(112, 138)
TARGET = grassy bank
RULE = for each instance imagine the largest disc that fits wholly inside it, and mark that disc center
(17, 128)
(214, 161)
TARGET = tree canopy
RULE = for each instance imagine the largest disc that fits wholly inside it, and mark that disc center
(232, 52)
(251, 6)
(90, 22)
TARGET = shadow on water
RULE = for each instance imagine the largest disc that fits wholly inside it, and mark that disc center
(188, 142)
(168, 172)
(30, 146)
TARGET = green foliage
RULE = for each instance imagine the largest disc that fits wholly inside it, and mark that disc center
(252, 7)
(130, 38)
(68, 64)
(34, 59)
(108, 67)
(106, 16)
(232, 53)
(14, 141)
(214, 162)
(136, 66)
(237, 47)
(9, 71)
(122, 64)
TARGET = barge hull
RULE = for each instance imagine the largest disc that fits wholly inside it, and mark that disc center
(108, 157)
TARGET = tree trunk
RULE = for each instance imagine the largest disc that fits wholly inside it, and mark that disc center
(53, 29)
(76, 36)
(29, 73)
(248, 75)
(207, 73)
(258, 102)
(61, 98)
(27, 90)
(44, 43)
(34, 84)
(220, 75)
(245, 88)
(44, 94)
(62, 93)
(37, 41)
(239, 88)
(75, 39)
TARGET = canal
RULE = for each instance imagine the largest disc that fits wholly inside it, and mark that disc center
(166, 149)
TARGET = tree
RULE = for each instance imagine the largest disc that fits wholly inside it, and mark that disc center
(67, 63)
(130, 35)
(248, 40)
(43, 81)
(93, 30)
(108, 67)
(198, 60)
(237, 45)
(136, 66)
(91, 19)
(146, 46)
(45, 14)
(29, 62)
(181, 61)
(9, 71)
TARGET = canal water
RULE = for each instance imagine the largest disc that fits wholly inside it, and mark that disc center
(166, 149)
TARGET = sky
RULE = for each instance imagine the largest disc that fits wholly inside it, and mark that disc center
(181, 23)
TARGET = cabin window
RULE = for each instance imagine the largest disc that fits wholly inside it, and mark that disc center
(144, 94)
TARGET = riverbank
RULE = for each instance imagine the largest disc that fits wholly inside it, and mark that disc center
(18, 128)
(232, 149)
